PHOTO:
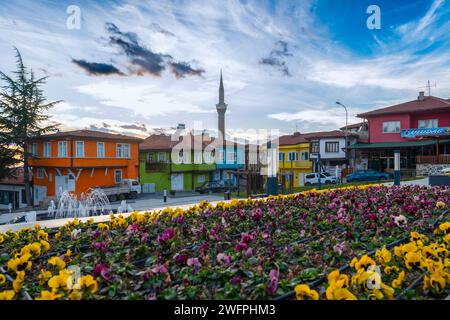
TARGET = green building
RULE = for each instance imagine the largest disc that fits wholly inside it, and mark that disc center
(174, 165)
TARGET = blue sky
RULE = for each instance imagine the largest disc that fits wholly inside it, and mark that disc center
(136, 66)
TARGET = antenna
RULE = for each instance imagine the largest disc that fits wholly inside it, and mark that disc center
(429, 86)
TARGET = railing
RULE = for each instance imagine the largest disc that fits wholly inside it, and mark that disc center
(156, 166)
(441, 159)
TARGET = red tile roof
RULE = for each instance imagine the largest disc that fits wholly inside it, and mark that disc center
(89, 134)
(164, 142)
(427, 104)
(352, 126)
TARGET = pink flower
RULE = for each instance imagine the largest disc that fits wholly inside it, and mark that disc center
(103, 271)
(100, 246)
(159, 269)
(166, 236)
(193, 262)
(236, 280)
(240, 247)
(257, 214)
(223, 258)
(180, 258)
(273, 283)
(249, 253)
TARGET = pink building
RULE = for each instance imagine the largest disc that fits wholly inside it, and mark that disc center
(420, 129)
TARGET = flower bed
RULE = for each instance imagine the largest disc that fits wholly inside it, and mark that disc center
(249, 249)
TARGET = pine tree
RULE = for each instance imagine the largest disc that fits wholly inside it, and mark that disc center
(22, 114)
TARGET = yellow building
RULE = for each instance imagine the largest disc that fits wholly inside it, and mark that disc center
(294, 162)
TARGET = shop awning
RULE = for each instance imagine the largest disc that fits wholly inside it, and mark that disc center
(397, 144)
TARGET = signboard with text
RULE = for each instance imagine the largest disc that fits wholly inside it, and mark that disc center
(424, 132)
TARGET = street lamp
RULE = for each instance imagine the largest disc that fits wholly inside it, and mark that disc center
(346, 127)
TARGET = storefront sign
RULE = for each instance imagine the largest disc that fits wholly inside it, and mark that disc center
(424, 132)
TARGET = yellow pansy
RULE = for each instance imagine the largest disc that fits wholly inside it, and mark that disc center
(33, 249)
(59, 281)
(43, 276)
(7, 295)
(445, 227)
(102, 226)
(1, 239)
(45, 245)
(397, 283)
(42, 235)
(364, 262)
(303, 292)
(57, 262)
(388, 270)
(48, 295)
(75, 295)
(383, 256)
(2, 279)
(18, 282)
(20, 263)
(57, 235)
(440, 204)
(413, 260)
(88, 283)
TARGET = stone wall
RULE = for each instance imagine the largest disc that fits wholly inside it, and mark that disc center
(430, 169)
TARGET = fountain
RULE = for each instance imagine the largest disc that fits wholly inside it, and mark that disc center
(94, 202)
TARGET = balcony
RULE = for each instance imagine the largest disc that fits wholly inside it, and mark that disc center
(441, 159)
(299, 164)
(157, 166)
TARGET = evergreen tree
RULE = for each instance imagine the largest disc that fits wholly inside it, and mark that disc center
(22, 114)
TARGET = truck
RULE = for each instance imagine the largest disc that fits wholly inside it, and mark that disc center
(127, 189)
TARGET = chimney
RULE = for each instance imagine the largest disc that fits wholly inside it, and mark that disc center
(421, 96)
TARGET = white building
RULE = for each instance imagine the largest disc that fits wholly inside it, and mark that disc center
(12, 192)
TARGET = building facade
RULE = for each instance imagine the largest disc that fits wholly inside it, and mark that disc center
(76, 161)
(12, 191)
(422, 153)
(293, 159)
(175, 165)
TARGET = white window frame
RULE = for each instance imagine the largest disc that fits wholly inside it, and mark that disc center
(122, 152)
(98, 149)
(60, 149)
(426, 121)
(281, 156)
(77, 154)
(162, 157)
(34, 149)
(119, 150)
(126, 150)
(47, 150)
(305, 155)
(201, 178)
(334, 143)
(231, 156)
(116, 175)
(394, 121)
(220, 156)
(150, 157)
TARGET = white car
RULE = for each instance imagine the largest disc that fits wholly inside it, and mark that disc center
(446, 170)
(325, 178)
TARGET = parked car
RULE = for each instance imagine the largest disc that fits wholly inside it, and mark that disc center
(128, 188)
(446, 171)
(369, 175)
(325, 178)
(215, 186)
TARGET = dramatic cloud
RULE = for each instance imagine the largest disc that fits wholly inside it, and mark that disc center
(275, 59)
(97, 69)
(157, 28)
(143, 60)
(141, 127)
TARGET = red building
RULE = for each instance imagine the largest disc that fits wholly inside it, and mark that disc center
(420, 129)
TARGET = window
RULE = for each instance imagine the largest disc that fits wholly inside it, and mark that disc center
(34, 149)
(293, 156)
(281, 156)
(207, 156)
(315, 147)
(220, 156)
(430, 123)
(24, 197)
(123, 150)
(47, 150)
(305, 155)
(391, 127)
(117, 176)
(62, 149)
(161, 156)
(79, 149)
(150, 157)
(201, 178)
(332, 147)
(231, 157)
(40, 173)
(100, 150)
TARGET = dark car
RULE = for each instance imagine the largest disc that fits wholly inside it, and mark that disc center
(214, 187)
(368, 175)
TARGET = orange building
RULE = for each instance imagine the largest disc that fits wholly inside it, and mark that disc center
(78, 160)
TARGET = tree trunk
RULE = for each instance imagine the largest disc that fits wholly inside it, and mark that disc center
(26, 176)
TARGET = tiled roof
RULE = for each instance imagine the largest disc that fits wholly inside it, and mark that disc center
(427, 104)
(164, 142)
(89, 134)
(330, 134)
(352, 126)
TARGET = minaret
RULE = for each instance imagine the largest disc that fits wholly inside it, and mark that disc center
(221, 108)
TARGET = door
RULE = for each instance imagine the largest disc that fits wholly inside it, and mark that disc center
(177, 181)
(61, 184)
(40, 193)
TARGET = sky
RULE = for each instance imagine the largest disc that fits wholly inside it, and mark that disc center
(139, 66)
